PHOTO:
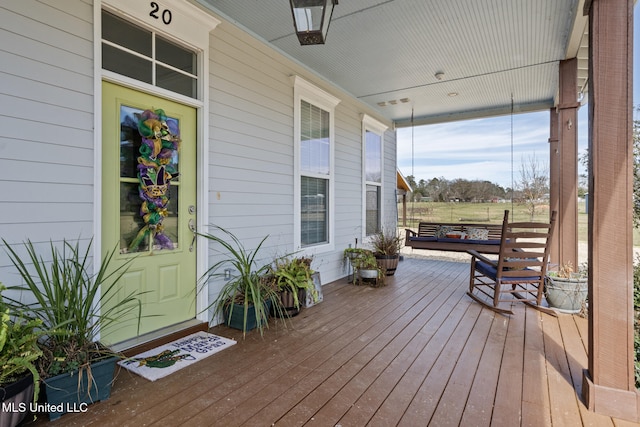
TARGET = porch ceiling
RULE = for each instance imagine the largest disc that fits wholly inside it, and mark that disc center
(383, 51)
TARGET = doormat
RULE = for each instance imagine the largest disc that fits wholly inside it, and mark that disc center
(169, 358)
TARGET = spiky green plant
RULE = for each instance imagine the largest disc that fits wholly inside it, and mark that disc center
(73, 304)
(245, 285)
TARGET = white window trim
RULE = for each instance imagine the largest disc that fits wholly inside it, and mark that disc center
(372, 125)
(303, 90)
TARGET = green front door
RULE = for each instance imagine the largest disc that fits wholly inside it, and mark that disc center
(149, 203)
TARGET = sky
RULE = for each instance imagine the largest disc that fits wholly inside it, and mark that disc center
(481, 149)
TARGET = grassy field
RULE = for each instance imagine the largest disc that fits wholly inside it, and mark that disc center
(485, 212)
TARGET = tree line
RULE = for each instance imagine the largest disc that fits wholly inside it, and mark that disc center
(532, 189)
(461, 190)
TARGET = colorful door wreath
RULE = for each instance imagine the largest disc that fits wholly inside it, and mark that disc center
(160, 142)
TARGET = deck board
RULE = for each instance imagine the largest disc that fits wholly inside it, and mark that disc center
(415, 352)
(384, 366)
(507, 409)
(479, 408)
(562, 394)
(426, 399)
(394, 406)
(406, 366)
(535, 392)
(453, 401)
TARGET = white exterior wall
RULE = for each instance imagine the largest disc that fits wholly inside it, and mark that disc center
(46, 123)
(251, 150)
(390, 167)
(47, 141)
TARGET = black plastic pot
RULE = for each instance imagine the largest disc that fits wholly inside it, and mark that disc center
(16, 400)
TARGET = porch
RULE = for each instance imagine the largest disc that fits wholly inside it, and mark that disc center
(416, 352)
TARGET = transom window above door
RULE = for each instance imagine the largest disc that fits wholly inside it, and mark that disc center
(146, 56)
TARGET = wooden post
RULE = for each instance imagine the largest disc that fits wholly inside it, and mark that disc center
(567, 240)
(404, 209)
(609, 385)
(554, 184)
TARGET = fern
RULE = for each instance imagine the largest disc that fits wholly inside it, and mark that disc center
(19, 349)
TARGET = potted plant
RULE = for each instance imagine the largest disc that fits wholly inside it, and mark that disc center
(348, 256)
(19, 379)
(247, 295)
(365, 266)
(566, 290)
(386, 248)
(70, 302)
(292, 277)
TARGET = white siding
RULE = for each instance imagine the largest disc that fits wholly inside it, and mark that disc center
(251, 150)
(46, 121)
(390, 219)
(47, 140)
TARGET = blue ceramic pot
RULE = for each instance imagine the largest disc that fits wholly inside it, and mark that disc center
(234, 316)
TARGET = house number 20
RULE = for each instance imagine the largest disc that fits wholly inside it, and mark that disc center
(165, 15)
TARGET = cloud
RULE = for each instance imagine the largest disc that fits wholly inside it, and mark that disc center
(479, 149)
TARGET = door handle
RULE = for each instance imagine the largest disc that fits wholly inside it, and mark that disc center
(192, 227)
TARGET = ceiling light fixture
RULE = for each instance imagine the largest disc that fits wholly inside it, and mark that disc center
(311, 19)
(452, 94)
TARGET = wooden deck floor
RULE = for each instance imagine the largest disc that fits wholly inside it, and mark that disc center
(417, 352)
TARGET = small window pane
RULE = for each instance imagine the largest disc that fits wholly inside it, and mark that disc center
(315, 219)
(124, 34)
(176, 82)
(373, 154)
(130, 220)
(314, 139)
(373, 209)
(308, 17)
(156, 51)
(170, 223)
(124, 63)
(176, 56)
(130, 141)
